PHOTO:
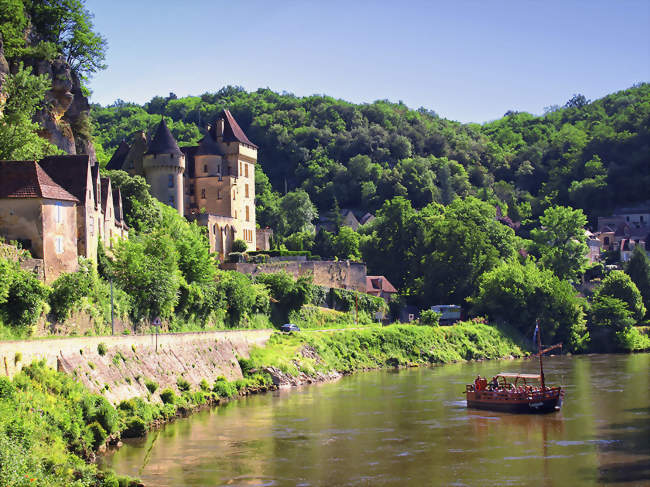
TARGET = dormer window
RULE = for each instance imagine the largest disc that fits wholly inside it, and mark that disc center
(170, 180)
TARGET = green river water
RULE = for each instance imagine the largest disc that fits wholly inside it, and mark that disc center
(411, 428)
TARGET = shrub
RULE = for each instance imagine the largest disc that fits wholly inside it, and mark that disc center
(26, 297)
(183, 384)
(168, 396)
(97, 433)
(239, 245)
(236, 257)
(205, 387)
(17, 357)
(135, 428)
(151, 385)
(224, 389)
(429, 317)
(102, 348)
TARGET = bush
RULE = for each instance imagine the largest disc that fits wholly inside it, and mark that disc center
(151, 386)
(135, 428)
(239, 245)
(97, 433)
(224, 389)
(205, 387)
(26, 297)
(429, 317)
(102, 348)
(168, 396)
(236, 257)
(183, 384)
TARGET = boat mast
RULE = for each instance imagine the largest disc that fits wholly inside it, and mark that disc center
(539, 352)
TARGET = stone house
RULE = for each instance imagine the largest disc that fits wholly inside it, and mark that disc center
(39, 214)
(212, 183)
(380, 286)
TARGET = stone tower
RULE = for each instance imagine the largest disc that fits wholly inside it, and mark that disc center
(163, 165)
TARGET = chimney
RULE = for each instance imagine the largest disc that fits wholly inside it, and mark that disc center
(220, 125)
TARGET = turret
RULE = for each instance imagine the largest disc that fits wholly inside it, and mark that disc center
(163, 165)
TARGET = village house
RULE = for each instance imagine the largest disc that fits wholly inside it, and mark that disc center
(40, 215)
(97, 210)
(212, 183)
(380, 286)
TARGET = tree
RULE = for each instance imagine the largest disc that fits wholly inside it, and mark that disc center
(560, 241)
(299, 212)
(610, 318)
(19, 139)
(346, 244)
(520, 294)
(68, 25)
(140, 210)
(638, 268)
(618, 285)
(289, 294)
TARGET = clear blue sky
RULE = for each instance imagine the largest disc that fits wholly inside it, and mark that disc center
(467, 60)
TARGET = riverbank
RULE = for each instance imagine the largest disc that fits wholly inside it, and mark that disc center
(51, 425)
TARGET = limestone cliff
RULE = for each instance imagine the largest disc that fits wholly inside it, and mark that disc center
(64, 118)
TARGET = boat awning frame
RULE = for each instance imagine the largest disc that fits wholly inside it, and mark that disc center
(513, 375)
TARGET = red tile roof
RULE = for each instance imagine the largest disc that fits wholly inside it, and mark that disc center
(69, 172)
(232, 132)
(26, 179)
(377, 284)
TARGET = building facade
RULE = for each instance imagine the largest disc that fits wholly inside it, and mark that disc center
(212, 183)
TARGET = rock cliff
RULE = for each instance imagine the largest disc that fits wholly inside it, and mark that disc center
(65, 116)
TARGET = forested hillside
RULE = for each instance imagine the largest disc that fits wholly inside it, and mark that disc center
(590, 155)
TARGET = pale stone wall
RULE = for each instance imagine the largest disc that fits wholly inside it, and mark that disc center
(194, 356)
(59, 221)
(338, 274)
(20, 219)
(157, 169)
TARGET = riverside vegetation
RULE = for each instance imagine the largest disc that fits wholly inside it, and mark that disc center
(51, 426)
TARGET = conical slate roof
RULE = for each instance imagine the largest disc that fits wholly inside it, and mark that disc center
(163, 142)
(208, 147)
(117, 161)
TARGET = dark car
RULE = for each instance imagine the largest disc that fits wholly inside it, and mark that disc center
(289, 327)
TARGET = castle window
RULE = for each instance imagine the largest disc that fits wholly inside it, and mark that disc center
(59, 215)
(234, 195)
(205, 168)
(218, 194)
(203, 193)
(246, 190)
(58, 245)
(170, 180)
(246, 169)
(229, 170)
(247, 214)
(214, 228)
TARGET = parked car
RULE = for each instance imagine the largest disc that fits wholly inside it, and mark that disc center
(289, 327)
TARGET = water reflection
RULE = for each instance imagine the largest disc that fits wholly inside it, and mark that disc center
(412, 428)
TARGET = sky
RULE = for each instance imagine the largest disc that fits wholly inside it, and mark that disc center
(467, 60)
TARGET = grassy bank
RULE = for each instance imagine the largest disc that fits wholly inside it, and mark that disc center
(51, 426)
(374, 347)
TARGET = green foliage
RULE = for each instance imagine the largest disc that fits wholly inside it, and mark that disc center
(560, 241)
(428, 317)
(520, 294)
(638, 268)
(239, 245)
(135, 428)
(140, 210)
(151, 385)
(618, 285)
(346, 244)
(22, 297)
(102, 348)
(182, 384)
(19, 138)
(168, 396)
(224, 389)
(610, 319)
(289, 294)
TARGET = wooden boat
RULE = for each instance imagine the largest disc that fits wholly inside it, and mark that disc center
(516, 393)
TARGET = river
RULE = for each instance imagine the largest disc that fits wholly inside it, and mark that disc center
(411, 427)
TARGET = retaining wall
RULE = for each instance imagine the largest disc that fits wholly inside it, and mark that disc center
(120, 373)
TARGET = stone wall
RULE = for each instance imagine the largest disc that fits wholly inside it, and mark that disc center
(131, 359)
(339, 274)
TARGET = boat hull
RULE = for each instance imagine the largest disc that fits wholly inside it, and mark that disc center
(497, 402)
